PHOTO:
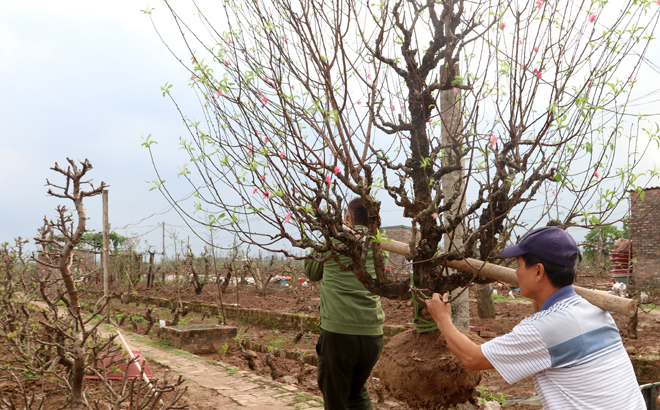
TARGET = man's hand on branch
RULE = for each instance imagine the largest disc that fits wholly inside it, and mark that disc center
(439, 307)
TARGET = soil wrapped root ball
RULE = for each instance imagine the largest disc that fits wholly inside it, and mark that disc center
(420, 370)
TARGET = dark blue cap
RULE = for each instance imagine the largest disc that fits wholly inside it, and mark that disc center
(550, 243)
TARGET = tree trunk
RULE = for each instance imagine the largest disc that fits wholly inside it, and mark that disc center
(450, 105)
(485, 306)
(150, 275)
(77, 376)
(632, 326)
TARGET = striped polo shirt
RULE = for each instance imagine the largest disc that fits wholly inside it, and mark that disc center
(574, 351)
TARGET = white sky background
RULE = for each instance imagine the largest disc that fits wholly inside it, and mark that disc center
(82, 79)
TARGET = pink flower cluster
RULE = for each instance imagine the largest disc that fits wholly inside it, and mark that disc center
(539, 4)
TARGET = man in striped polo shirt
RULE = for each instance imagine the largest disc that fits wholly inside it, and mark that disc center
(571, 348)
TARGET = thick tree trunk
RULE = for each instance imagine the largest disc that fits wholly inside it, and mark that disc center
(450, 106)
(77, 377)
(485, 307)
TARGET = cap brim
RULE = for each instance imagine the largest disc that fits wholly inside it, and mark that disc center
(512, 251)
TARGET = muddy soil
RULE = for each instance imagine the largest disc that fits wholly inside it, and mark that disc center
(398, 313)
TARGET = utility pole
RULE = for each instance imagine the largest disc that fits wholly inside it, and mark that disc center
(106, 246)
(452, 129)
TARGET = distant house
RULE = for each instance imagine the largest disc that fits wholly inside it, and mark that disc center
(644, 228)
(403, 234)
(83, 259)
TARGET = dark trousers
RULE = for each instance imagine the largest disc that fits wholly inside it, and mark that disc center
(344, 365)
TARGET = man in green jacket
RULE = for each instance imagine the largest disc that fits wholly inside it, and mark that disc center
(351, 327)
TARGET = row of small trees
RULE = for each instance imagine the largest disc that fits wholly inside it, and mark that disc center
(49, 344)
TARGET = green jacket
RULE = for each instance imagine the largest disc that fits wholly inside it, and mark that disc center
(346, 306)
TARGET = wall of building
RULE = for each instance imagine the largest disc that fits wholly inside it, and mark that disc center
(403, 234)
(645, 234)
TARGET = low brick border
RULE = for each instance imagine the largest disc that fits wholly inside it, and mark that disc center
(276, 320)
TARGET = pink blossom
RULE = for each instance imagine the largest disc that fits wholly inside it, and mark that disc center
(226, 63)
(536, 49)
(430, 120)
(263, 178)
(596, 174)
(194, 60)
(360, 102)
(282, 155)
(368, 76)
(293, 87)
(393, 107)
(592, 18)
(403, 106)
(493, 140)
(255, 190)
(350, 134)
(192, 78)
(250, 149)
(265, 195)
(591, 84)
(220, 93)
(258, 93)
(658, 2)
(337, 170)
(264, 100)
(519, 42)
(553, 192)
(539, 4)
(266, 140)
(228, 41)
(286, 39)
(502, 26)
(328, 179)
(257, 131)
(536, 71)
(540, 74)
(453, 89)
(295, 191)
(43, 271)
(632, 80)
(435, 215)
(287, 218)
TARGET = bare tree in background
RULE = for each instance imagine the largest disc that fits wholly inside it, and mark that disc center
(307, 103)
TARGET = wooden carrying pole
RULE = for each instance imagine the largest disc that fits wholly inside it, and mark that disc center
(605, 301)
(137, 365)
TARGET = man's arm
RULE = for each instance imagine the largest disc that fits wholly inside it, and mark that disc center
(468, 352)
(313, 270)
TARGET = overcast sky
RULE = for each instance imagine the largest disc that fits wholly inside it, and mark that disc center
(82, 79)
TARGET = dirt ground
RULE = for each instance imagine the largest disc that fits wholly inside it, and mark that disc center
(398, 313)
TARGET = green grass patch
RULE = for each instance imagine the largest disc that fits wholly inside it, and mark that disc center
(503, 298)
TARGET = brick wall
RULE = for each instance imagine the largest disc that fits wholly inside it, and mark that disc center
(645, 235)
